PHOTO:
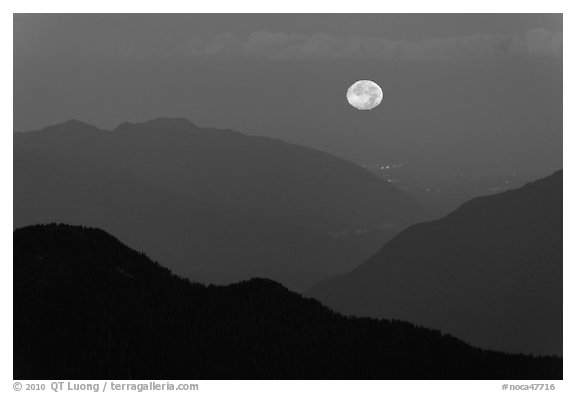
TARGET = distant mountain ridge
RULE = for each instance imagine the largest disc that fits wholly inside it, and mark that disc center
(239, 205)
(489, 273)
(173, 144)
(88, 307)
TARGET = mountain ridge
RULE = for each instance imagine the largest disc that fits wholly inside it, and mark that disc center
(115, 314)
(248, 205)
(489, 272)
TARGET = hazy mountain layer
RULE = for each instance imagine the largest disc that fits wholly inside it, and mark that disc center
(237, 206)
(489, 273)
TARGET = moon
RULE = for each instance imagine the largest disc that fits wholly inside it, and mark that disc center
(364, 95)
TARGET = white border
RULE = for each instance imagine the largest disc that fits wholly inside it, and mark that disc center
(296, 6)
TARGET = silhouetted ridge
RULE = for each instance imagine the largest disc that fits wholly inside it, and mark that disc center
(489, 273)
(170, 128)
(161, 123)
(224, 206)
(74, 123)
(72, 127)
(264, 283)
(88, 307)
(511, 198)
(84, 245)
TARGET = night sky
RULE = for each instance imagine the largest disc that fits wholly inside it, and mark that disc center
(461, 90)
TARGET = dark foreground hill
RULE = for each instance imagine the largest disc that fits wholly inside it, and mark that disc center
(489, 273)
(211, 204)
(88, 307)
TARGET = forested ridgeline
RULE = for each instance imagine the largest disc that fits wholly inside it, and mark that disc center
(88, 307)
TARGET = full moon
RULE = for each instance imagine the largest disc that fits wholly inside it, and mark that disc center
(364, 95)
